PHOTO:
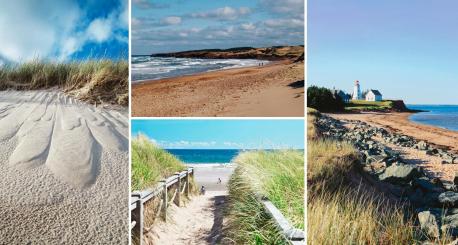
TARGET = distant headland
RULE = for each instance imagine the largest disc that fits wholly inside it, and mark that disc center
(295, 53)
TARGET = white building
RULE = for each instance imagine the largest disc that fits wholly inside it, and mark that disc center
(356, 92)
(373, 95)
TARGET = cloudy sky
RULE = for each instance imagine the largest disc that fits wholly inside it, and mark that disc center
(178, 25)
(407, 49)
(222, 134)
(63, 30)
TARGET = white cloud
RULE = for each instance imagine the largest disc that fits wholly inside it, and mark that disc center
(49, 28)
(287, 23)
(171, 20)
(99, 30)
(248, 26)
(284, 6)
(225, 13)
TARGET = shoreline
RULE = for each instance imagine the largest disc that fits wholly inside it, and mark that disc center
(275, 89)
(400, 122)
(146, 81)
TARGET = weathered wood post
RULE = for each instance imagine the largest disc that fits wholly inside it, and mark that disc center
(177, 200)
(164, 200)
(138, 218)
(187, 183)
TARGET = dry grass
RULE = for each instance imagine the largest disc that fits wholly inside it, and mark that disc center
(340, 213)
(94, 81)
(151, 164)
(277, 175)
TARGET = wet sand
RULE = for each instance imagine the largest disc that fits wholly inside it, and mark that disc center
(272, 90)
(63, 170)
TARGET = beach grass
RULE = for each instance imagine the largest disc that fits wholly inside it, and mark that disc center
(151, 164)
(338, 212)
(94, 81)
(277, 175)
(369, 105)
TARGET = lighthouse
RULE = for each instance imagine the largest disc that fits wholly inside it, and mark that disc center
(356, 92)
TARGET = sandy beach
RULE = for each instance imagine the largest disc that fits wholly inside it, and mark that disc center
(399, 122)
(272, 90)
(63, 170)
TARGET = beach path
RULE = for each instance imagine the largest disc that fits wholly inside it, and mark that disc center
(201, 220)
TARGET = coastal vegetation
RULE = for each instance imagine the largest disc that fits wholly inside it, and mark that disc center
(369, 105)
(150, 163)
(340, 211)
(323, 99)
(276, 175)
(95, 81)
(267, 53)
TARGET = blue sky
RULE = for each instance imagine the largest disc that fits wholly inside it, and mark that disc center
(177, 25)
(222, 134)
(63, 30)
(406, 49)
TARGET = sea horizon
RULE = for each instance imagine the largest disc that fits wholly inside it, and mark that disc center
(212, 156)
(441, 116)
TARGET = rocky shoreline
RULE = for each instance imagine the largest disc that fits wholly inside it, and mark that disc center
(434, 201)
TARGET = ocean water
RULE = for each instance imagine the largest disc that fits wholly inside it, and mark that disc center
(153, 68)
(443, 116)
(204, 156)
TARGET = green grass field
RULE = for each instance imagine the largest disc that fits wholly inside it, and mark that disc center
(99, 81)
(150, 163)
(369, 105)
(277, 175)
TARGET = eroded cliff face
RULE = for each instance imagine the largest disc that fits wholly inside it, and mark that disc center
(267, 53)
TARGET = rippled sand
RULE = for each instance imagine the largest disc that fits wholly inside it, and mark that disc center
(63, 170)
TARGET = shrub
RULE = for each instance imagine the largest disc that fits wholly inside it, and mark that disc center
(323, 100)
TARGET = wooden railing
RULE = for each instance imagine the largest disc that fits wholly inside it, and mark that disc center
(293, 235)
(179, 180)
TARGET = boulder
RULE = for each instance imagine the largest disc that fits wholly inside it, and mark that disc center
(432, 152)
(447, 159)
(450, 225)
(426, 185)
(429, 224)
(448, 199)
(422, 145)
(400, 173)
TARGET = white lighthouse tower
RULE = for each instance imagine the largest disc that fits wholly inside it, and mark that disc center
(356, 92)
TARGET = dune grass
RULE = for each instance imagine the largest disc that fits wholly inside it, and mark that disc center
(277, 175)
(150, 163)
(341, 213)
(98, 80)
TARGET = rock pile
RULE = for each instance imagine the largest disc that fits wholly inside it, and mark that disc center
(435, 202)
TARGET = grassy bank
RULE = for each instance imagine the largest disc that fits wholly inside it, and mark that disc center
(150, 163)
(277, 175)
(338, 212)
(95, 81)
(369, 105)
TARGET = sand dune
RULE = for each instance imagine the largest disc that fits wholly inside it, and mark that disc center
(63, 170)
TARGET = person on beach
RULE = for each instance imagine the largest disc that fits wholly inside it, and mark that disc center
(219, 181)
(202, 190)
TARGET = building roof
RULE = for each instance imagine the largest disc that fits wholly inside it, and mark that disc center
(375, 92)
